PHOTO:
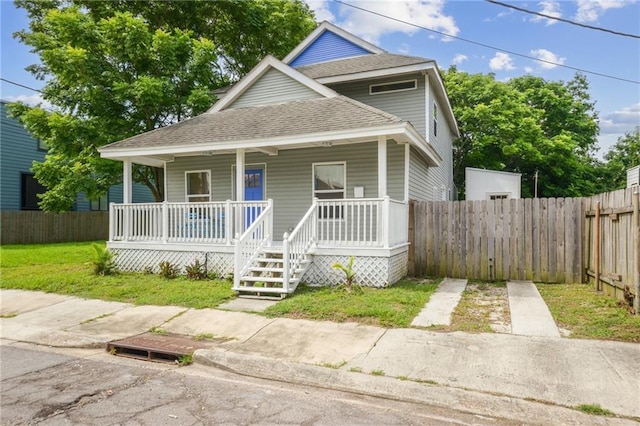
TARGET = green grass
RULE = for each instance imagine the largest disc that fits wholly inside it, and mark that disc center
(395, 306)
(67, 269)
(589, 315)
(594, 409)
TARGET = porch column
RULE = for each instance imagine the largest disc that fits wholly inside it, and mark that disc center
(127, 182)
(382, 166)
(240, 174)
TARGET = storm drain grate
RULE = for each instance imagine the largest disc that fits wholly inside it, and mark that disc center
(169, 348)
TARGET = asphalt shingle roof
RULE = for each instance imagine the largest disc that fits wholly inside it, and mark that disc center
(279, 120)
(358, 64)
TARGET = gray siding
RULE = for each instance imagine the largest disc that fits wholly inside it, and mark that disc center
(288, 176)
(272, 88)
(442, 142)
(408, 105)
(18, 151)
(141, 194)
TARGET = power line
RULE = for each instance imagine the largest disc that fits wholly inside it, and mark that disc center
(568, 21)
(20, 85)
(489, 46)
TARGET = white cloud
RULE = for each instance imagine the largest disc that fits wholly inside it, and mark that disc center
(591, 10)
(321, 9)
(404, 49)
(548, 56)
(32, 100)
(459, 58)
(528, 70)
(501, 62)
(551, 8)
(621, 121)
(425, 13)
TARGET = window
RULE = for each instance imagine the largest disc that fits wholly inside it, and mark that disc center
(198, 186)
(435, 119)
(42, 145)
(101, 204)
(329, 184)
(504, 196)
(396, 86)
(30, 188)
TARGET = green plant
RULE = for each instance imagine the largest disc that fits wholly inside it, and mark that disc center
(334, 366)
(229, 277)
(10, 315)
(377, 373)
(594, 409)
(103, 262)
(184, 360)
(196, 270)
(355, 370)
(168, 270)
(349, 274)
(213, 275)
(203, 336)
(148, 270)
(158, 330)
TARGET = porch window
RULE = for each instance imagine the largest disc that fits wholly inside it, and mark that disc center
(198, 186)
(329, 183)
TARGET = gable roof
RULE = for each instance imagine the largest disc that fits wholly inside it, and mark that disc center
(360, 64)
(355, 45)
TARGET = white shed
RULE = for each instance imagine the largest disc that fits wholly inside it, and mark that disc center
(484, 184)
(633, 177)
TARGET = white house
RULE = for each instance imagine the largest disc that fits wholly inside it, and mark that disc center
(484, 184)
(633, 176)
(302, 163)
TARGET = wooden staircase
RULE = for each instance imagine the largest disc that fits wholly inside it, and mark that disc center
(264, 278)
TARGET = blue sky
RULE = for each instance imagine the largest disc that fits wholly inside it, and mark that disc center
(617, 102)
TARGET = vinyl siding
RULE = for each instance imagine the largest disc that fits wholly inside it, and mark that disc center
(272, 88)
(408, 105)
(288, 176)
(443, 143)
(141, 194)
(18, 151)
(325, 48)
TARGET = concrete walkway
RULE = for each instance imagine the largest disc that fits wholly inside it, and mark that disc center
(474, 368)
(530, 315)
(441, 304)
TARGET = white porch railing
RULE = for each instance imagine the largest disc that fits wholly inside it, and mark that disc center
(371, 222)
(211, 222)
(248, 245)
(296, 245)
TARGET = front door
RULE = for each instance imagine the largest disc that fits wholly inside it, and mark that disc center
(253, 191)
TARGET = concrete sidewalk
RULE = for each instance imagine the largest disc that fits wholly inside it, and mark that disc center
(530, 315)
(565, 372)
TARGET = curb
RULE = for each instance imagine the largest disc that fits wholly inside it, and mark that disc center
(468, 401)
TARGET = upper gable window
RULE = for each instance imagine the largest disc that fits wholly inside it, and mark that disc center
(395, 86)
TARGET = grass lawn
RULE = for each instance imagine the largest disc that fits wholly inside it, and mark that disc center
(395, 306)
(67, 269)
(589, 315)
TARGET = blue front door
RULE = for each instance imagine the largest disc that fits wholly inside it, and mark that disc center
(253, 191)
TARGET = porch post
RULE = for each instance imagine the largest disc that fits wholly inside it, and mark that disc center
(126, 182)
(240, 174)
(382, 166)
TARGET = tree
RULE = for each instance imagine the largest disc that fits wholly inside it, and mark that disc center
(528, 126)
(622, 156)
(117, 69)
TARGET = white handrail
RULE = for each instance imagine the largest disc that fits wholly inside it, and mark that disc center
(296, 245)
(248, 245)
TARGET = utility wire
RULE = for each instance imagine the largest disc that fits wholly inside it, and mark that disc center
(20, 85)
(489, 46)
(568, 21)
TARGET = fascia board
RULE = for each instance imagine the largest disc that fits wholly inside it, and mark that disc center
(257, 72)
(327, 26)
(442, 92)
(367, 75)
(399, 130)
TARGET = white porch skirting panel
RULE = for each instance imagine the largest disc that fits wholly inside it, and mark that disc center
(138, 260)
(370, 270)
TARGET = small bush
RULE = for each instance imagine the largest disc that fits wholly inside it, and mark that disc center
(103, 263)
(196, 271)
(168, 270)
(349, 274)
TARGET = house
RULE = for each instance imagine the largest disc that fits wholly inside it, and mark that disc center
(301, 164)
(481, 184)
(19, 188)
(633, 177)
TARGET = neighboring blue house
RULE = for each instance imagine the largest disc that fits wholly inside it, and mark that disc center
(18, 186)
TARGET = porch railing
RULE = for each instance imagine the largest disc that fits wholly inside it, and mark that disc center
(248, 245)
(296, 245)
(210, 222)
(371, 222)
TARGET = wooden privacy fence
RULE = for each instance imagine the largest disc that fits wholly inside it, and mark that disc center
(537, 239)
(612, 241)
(35, 227)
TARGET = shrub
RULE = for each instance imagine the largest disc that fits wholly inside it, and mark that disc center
(196, 270)
(168, 270)
(103, 263)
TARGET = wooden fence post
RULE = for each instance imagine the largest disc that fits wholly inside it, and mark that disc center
(412, 240)
(636, 250)
(596, 247)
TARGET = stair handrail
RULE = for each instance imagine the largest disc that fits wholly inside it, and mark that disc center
(296, 245)
(246, 248)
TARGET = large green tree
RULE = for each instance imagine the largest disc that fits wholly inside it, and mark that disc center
(526, 125)
(622, 156)
(116, 69)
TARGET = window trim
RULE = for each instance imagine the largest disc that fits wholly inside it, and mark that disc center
(414, 81)
(187, 197)
(41, 146)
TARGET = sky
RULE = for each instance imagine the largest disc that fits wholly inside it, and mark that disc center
(508, 34)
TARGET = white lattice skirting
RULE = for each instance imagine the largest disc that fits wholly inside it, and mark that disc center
(370, 271)
(137, 260)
